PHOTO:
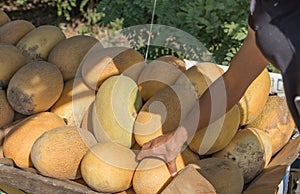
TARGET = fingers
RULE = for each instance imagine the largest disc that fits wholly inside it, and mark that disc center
(172, 167)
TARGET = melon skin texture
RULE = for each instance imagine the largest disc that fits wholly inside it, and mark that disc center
(68, 54)
(35, 87)
(12, 32)
(6, 111)
(58, 152)
(115, 109)
(255, 98)
(250, 149)
(38, 43)
(18, 142)
(4, 18)
(11, 60)
(276, 121)
(109, 167)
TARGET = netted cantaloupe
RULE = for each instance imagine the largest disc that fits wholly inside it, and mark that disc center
(255, 98)
(223, 174)
(116, 106)
(75, 99)
(276, 121)
(250, 149)
(153, 77)
(102, 63)
(218, 134)
(152, 175)
(35, 87)
(6, 111)
(38, 43)
(13, 31)
(68, 54)
(18, 142)
(4, 18)
(58, 152)
(109, 167)
(11, 60)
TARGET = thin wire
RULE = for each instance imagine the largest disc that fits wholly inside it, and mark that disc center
(150, 32)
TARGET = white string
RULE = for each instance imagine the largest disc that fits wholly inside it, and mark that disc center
(150, 31)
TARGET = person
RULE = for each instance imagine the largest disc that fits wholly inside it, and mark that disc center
(273, 37)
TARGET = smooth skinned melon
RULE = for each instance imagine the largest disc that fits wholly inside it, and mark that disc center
(109, 167)
(38, 43)
(4, 18)
(11, 60)
(255, 98)
(115, 109)
(276, 121)
(58, 152)
(35, 87)
(223, 174)
(87, 122)
(12, 32)
(68, 54)
(250, 149)
(18, 142)
(6, 111)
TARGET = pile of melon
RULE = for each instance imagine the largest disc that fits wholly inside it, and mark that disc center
(72, 109)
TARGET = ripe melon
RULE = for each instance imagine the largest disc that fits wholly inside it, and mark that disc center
(152, 175)
(35, 87)
(276, 121)
(116, 106)
(108, 167)
(38, 43)
(6, 111)
(18, 142)
(218, 134)
(189, 157)
(58, 152)
(12, 32)
(102, 63)
(250, 149)
(86, 122)
(11, 60)
(74, 101)
(255, 98)
(153, 77)
(68, 54)
(223, 174)
(4, 18)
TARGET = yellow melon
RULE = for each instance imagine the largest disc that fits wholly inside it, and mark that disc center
(4, 18)
(223, 174)
(6, 111)
(108, 167)
(38, 43)
(35, 87)
(86, 122)
(58, 152)
(116, 106)
(153, 77)
(101, 63)
(11, 60)
(255, 98)
(250, 149)
(18, 142)
(68, 54)
(276, 121)
(13, 31)
(74, 101)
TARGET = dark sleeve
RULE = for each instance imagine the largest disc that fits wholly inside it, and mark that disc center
(250, 21)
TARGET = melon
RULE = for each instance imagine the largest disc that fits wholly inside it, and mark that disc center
(86, 122)
(38, 43)
(108, 167)
(102, 63)
(18, 142)
(58, 152)
(276, 121)
(75, 99)
(153, 77)
(35, 87)
(4, 18)
(223, 174)
(189, 157)
(6, 111)
(11, 60)
(68, 54)
(250, 149)
(12, 32)
(116, 106)
(254, 99)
